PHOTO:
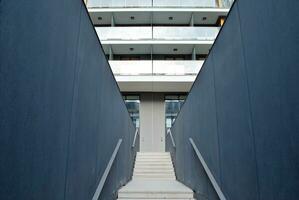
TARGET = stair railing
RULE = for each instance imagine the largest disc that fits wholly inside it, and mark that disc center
(135, 136)
(106, 172)
(171, 137)
(208, 171)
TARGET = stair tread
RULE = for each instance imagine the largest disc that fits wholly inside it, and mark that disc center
(154, 179)
(155, 186)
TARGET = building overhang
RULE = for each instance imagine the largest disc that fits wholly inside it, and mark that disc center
(156, 15)
(155, 83)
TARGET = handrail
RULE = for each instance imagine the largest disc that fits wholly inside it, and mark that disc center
(135, 136)
(208, 171)
(171, 137)
(106, 172)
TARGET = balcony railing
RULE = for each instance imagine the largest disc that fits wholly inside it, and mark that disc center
(177, 67)
(131, 68)
(185, 33)
(158, 3)
(119, 3)
(185, 3)
(157, 33)
(124, 33)
(156, 67)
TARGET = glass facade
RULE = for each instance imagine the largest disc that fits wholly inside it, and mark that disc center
(173, 104)
(132, 103)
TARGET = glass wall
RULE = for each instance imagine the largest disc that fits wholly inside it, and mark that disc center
(132, 103)
(173, 104)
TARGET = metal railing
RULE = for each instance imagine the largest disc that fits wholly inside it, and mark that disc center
(171, 137)
(106, 172)
(208, 171)
(135, 136)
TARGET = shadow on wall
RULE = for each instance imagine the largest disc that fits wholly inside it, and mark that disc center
(243, 109)
(61, 113)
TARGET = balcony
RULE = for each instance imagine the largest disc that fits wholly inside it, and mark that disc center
(155, 76)
(157, 33)
(185, 33)
(131, 68)
(124, 33)
(156, 68)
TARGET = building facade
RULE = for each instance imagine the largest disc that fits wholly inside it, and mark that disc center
(156, 49)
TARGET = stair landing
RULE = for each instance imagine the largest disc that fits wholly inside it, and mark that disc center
(154, 178)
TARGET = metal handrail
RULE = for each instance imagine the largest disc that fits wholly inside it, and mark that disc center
(171, 137)
(135, 136)
(208, 171)
(106, 172)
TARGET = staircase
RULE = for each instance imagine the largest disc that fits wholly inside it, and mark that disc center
(154, 179)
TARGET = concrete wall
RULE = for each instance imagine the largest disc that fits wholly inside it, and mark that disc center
(152, 122)
(61, 113)
(243, 109)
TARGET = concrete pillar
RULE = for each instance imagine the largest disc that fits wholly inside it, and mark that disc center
(191, 20)
(110, 53)
(112, 20)
(194, 54)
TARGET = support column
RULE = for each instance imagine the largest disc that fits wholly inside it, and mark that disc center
(194, 54)
(192, 20)
(112, 20)
(110, 53)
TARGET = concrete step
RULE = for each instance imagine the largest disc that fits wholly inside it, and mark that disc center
(154, 179)
(155, 170)
(154, 175)
(153, 153)
(153, 156)
(155, 166)
(156, 199)
(153, 163)
(153, 159)
(152, 166)
(155, 189)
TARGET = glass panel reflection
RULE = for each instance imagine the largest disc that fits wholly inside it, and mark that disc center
(132, 103)
(173, 104)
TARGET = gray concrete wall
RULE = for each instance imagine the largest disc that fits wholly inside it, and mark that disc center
(152, 122)
(61, 113)
(243, 109)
